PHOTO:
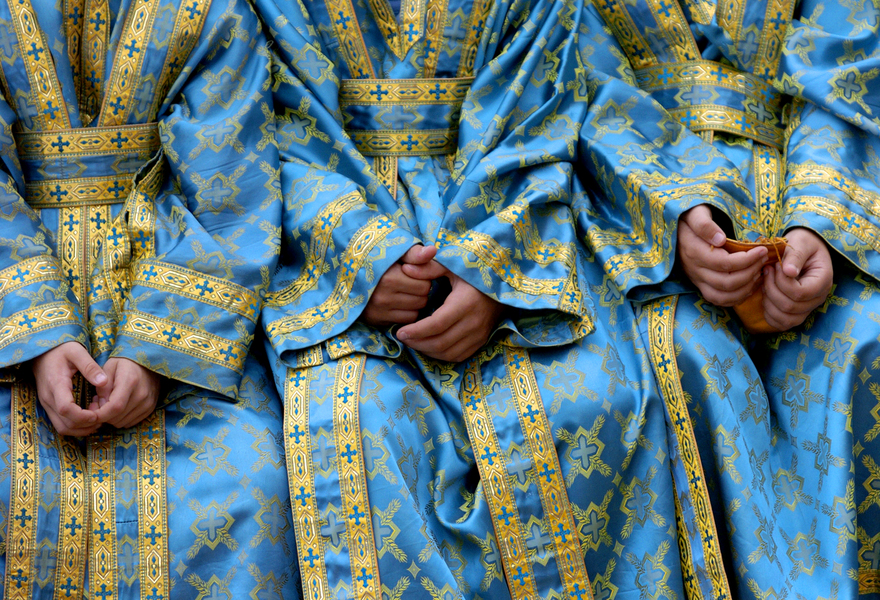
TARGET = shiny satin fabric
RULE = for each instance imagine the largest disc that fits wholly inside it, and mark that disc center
(786, 92)
(559, 461)
(132, 225)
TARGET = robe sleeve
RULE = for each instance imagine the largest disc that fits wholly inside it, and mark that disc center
(203, 251)
(37, 309)
(831, 63)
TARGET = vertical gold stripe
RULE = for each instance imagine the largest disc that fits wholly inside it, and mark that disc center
(411, 20)
(71, 248)
(74, 21)
(493, 472)
(675, 27)
(691, 583)
(141, 225)
(768, 186)
(435, 19)
(351, 42)
(24, 496)
(386, 170)
(73, 538)
(103, 551)
(554, 495)
(475, 27)
(187, 29)
(306, 516)
(637, 49)
(152, 508)
(353, 478)
(730, 18)
(125, 76)
(776, 20)
(661, 326)
(96, 32)
(387, 22)
(37, 58)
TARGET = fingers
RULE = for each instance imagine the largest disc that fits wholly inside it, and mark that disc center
(134, 394)
(395, 280)
(66, 416)
(419, 255)
(438, 323)
(793, 261)
(699, 220)
(80, 358)
(426, 272)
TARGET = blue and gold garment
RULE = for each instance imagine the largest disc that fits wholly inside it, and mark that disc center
(141, 218)
(788, 93)
(542, 467)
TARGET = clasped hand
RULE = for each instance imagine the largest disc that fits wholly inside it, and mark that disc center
(126, 392)
(455, 331)
(793, 287)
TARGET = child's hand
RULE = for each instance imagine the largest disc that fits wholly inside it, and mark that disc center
(459, 327)
(130, 395)
(54, 372)
(724, 278)
(800, 283)
(398, 298)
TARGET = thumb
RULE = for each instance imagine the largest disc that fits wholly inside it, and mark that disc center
(84, 363)
(427, 272)
(793, 261)
(419, 255)
(699, 219)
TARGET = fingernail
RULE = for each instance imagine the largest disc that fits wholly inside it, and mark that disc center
(100, 379)
(718, 240)
(402, 336)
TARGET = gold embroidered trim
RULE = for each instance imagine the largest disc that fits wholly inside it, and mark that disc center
(776, 20)
(73, 14)
(712, 74)
(405, 142)
(807, 174)
(353, 478)
(57, 193)
(496, 485)
(73, 548)
(325, 223)
(182, 338)
(89, 141)
(36, 55)
(351, 262)
(662, 352)
(24, 497)
(386, 170)
(103, 337)
(96, 37)
(153, 507)
(197, 286)
(691, 583)
(714, 117)
(411, 12)
(475, 27)
(310, 357)
(554, 495)
(339, 346)
(187, 30)
(628, 34)
(410, 92)
(869, 581)
(32, 270)
(841, 216)
(768, 166)
(72, 247)
(351, 42)
(103, 552)
(673, 25)
(387, 22)
(306, 516)
(32, 320)
(435, 18)
(125, 76)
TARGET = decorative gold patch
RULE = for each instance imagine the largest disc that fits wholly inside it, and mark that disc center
(351, 41)
(153, 509)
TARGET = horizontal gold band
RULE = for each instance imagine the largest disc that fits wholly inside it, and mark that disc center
(57, 193)
(711, 117)
(89, 141)
(707, 73)
(405, 142)
(404, 91)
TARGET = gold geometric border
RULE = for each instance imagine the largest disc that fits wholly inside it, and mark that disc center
(410, 92)
(496, 486)
(353, 478)
(91, 191)
(197, 286)
(102, 550)
(153, 507)
(185, 339)
(551, 486)
(32, 270)
(306, 516)
(37, 319)
(404, 142)
(88, 141)
(661, 326)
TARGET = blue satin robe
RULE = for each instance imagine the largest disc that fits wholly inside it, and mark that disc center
(141, 218)
(546, 465)
(787, 424)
